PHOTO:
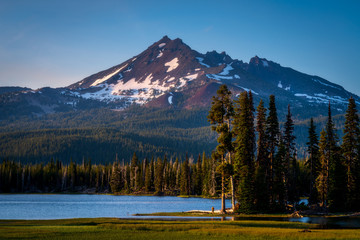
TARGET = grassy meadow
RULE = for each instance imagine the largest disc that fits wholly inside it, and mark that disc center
(111, 228)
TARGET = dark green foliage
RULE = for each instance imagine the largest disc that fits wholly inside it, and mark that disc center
(135, 174)
(148, 176)
(279, 181)
(185, 178)
(331, 178)
(291, 168)
(116, 183)
(220, 116)
(261, 184)
(159, 176)
(267, 181)
(313, 162)
(245, 152)
(322, 180)
(198, 178)
(103, 134)
(350, 150)
(336, 180)
(272, 137)
(162, 177)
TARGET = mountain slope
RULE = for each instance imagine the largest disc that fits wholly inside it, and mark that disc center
(170, 74)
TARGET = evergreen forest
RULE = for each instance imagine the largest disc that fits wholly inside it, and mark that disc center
(255, 162)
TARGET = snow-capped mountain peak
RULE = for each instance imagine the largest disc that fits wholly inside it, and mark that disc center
(170, 74)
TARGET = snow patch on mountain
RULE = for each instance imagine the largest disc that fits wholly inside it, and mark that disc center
(237, 76)
(100, 80)
(184, 80)
(200, 59)
(173, 64)
(103, 94)
(170, 79)
(219, 77)
(280, 85)
(325, 84)
(133, 90)
(160, 55)
(191, 77)
(161, 45)
(322, 98)
(170, 98)
(227, 70)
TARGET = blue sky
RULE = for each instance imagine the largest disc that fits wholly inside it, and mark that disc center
(56, 43)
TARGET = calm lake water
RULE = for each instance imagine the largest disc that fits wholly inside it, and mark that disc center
(60, 206)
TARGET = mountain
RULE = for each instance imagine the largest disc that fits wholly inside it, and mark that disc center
(155, 103)
(170, 74)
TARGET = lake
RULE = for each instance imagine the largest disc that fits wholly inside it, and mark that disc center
(60, 206)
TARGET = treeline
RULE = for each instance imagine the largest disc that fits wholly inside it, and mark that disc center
(260, 160)
(158, 176)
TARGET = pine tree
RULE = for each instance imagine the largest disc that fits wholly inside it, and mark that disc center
(159, 177)
(178, 174)
(330, 182)
(135, 173)
(261, 186)
(185, 177)
(272, 135)
(245, 152)
(148, 180)
(73, 174)
(279, 171)
(198, 177)
(313, 162)
(116, 182)
(291, 176)
(350, 149)
(220, 116)
(337, 178)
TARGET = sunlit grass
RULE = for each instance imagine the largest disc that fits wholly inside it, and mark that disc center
(108, 228)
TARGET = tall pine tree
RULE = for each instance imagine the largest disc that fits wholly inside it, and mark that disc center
(291, 173)
(185, 177)
(220, 116)
(245, 152)
(350, 149)
(313, 162)
(261, 186)
(272, 135)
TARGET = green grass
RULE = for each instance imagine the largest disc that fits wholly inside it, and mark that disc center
(201, 214)
(109, 228)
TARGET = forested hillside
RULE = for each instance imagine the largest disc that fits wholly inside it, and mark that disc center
(255, 161)
(101, 134)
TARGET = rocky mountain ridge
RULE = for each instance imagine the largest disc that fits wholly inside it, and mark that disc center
(170, 74)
